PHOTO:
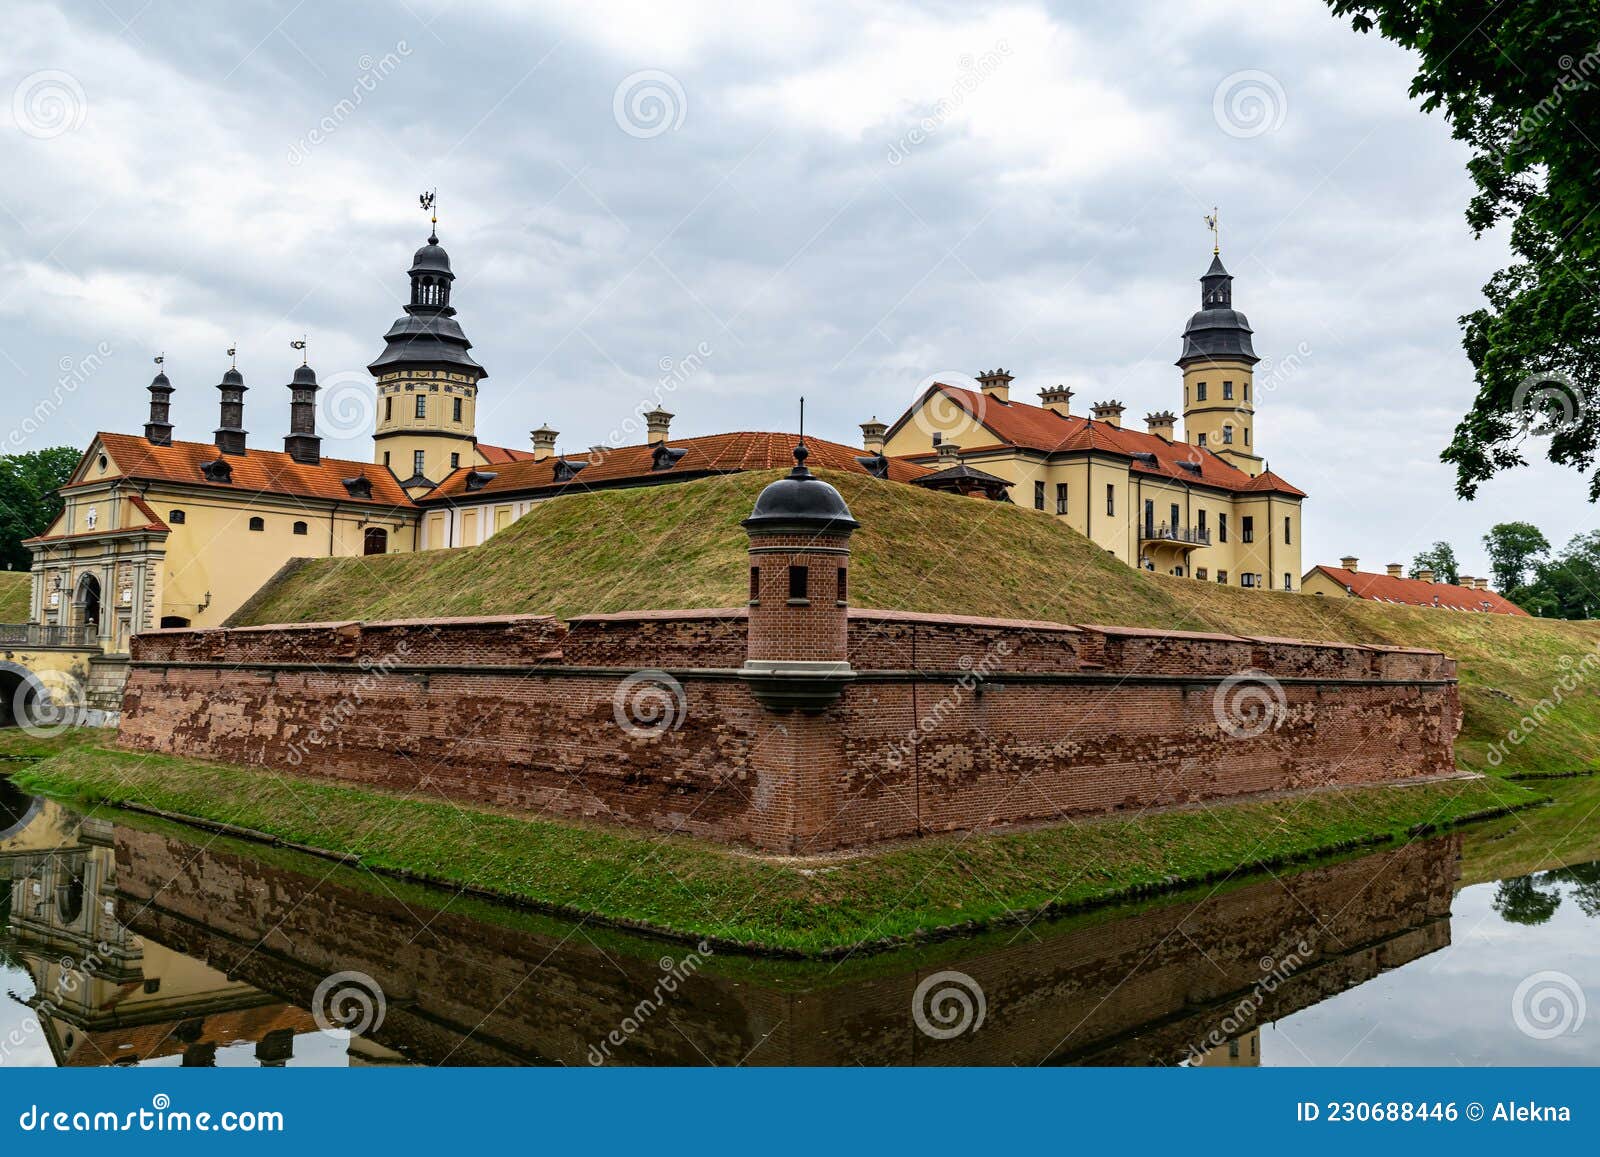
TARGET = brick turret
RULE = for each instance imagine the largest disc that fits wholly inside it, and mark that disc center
(797, 654)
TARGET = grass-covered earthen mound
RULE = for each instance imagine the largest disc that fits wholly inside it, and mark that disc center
(15, 587)
(681, 546)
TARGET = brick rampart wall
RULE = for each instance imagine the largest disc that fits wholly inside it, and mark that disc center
(951, 724)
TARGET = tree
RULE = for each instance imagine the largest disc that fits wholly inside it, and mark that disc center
(1567, 586)
(1440, 558)
(1517, 84)
(1522, 901)
(28, 498)
(1513, 547)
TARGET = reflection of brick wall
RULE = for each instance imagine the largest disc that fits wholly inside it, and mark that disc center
(952, 723)
(1117, 987)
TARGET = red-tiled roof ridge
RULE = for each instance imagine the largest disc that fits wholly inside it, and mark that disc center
(495, 455)
(1416, 593)
(259, 471)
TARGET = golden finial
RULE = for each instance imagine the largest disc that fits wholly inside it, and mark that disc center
(1213, 222)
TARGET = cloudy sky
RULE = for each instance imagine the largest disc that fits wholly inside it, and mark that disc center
(752, 202)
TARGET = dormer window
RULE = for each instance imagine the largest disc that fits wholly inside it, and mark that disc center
(358, 487)
(665, 457)
(478, 479)
(567, 470)
(217, 470)
(876, 465)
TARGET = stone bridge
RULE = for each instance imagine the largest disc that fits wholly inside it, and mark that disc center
(42, 667)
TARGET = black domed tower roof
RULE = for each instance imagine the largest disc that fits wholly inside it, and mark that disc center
(1218, 332)
(428, 334)
(802, 502)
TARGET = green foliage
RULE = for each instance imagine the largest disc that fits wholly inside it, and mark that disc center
(695, 889)
(1440, 558)
(1513, 547)
(1567, 586)
(28, 498)
(1517, 84)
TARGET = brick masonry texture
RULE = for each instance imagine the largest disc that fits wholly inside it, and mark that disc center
(952, 723)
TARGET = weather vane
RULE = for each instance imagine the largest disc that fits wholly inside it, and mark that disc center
(233, 357)
(301, 346)
(427, 199)
(161, 359)
(1213, 223)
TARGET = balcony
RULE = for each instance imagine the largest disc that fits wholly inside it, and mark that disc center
(1183, 537)
(79, 638)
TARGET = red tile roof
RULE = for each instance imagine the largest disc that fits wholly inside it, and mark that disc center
(712, 454)
(1038, 428)
(495, 455)
(1414, 592)
(259, 471)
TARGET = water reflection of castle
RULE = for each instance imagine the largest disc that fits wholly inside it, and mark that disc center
(103, 995)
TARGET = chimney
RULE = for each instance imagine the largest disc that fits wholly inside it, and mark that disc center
(1396, 570)
(996, 384)
(158, 430)
(1483, 584)
(1108, 412)
(544, 442)
(1350, 562)
(656, 423)
(231, 433)
(1057, 398)
(949, 454)
(872, 435)
(1425, 575)
(302, 443)
(1464, 581)
(1161, 423)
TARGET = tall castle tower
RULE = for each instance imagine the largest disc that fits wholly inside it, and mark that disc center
(427, 381)
(1218, 366)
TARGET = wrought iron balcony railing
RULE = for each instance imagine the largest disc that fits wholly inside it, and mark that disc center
(1185, 535)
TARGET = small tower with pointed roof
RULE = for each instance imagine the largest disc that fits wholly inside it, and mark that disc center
(230, 433)
(158, 430)
(1218, 364)
(427, 380)
(302, 443)
(797, 653)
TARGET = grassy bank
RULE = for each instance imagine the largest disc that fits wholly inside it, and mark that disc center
(682, 547)
(691, 889)
(15, 587)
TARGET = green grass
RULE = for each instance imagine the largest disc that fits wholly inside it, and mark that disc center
(1567, 831)
(692, 889)
(681, 546)
(15, 589)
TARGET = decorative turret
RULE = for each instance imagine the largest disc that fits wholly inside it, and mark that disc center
(302, 443)
(158, 430)
(230, 434)
(427, 379)
(657, 423)
(544, 442)
(797, 654)
(872, 435)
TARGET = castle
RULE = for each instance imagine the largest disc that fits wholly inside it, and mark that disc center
(158, 532)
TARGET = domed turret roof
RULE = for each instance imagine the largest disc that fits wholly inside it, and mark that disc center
(160, 382)
(1218, 332)
(232, 377)
(431, 258)
(801, 500)
(305, 376)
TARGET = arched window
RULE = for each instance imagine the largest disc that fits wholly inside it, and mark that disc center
(300, 528)
(375, 541)
(258, 523)
(170, 621)
(176, 517)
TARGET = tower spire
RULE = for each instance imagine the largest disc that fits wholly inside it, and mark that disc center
(1214, 223)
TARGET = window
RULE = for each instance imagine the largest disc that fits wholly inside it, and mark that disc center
(1061, 497)
(1200, 525)
(422, 405)
(937, 438)
(755, 584)
(388, 409)
(1247, 579)
(300, 528)
(1149, 518)
(1174, 522)
(1111, 498)
(375, 541)
(1227, 391)
(1247, 435)
(455, 461)
(455, 409)
(176, 517)
(1202, 441)
(1201, 573)
(1199, 391)
(1227, 435)
(418, 462)
(1247, 391)
(1177, 572)
(1222, 577)
(386, 457)
(258, 523)
(799, 578)
(1288, 531)
(844, 584)
(1288, 581)
(1247, 528)
(1038, 495)
(1222, 529)
(169, 622)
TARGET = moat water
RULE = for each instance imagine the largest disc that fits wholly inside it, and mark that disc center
(124, 941)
